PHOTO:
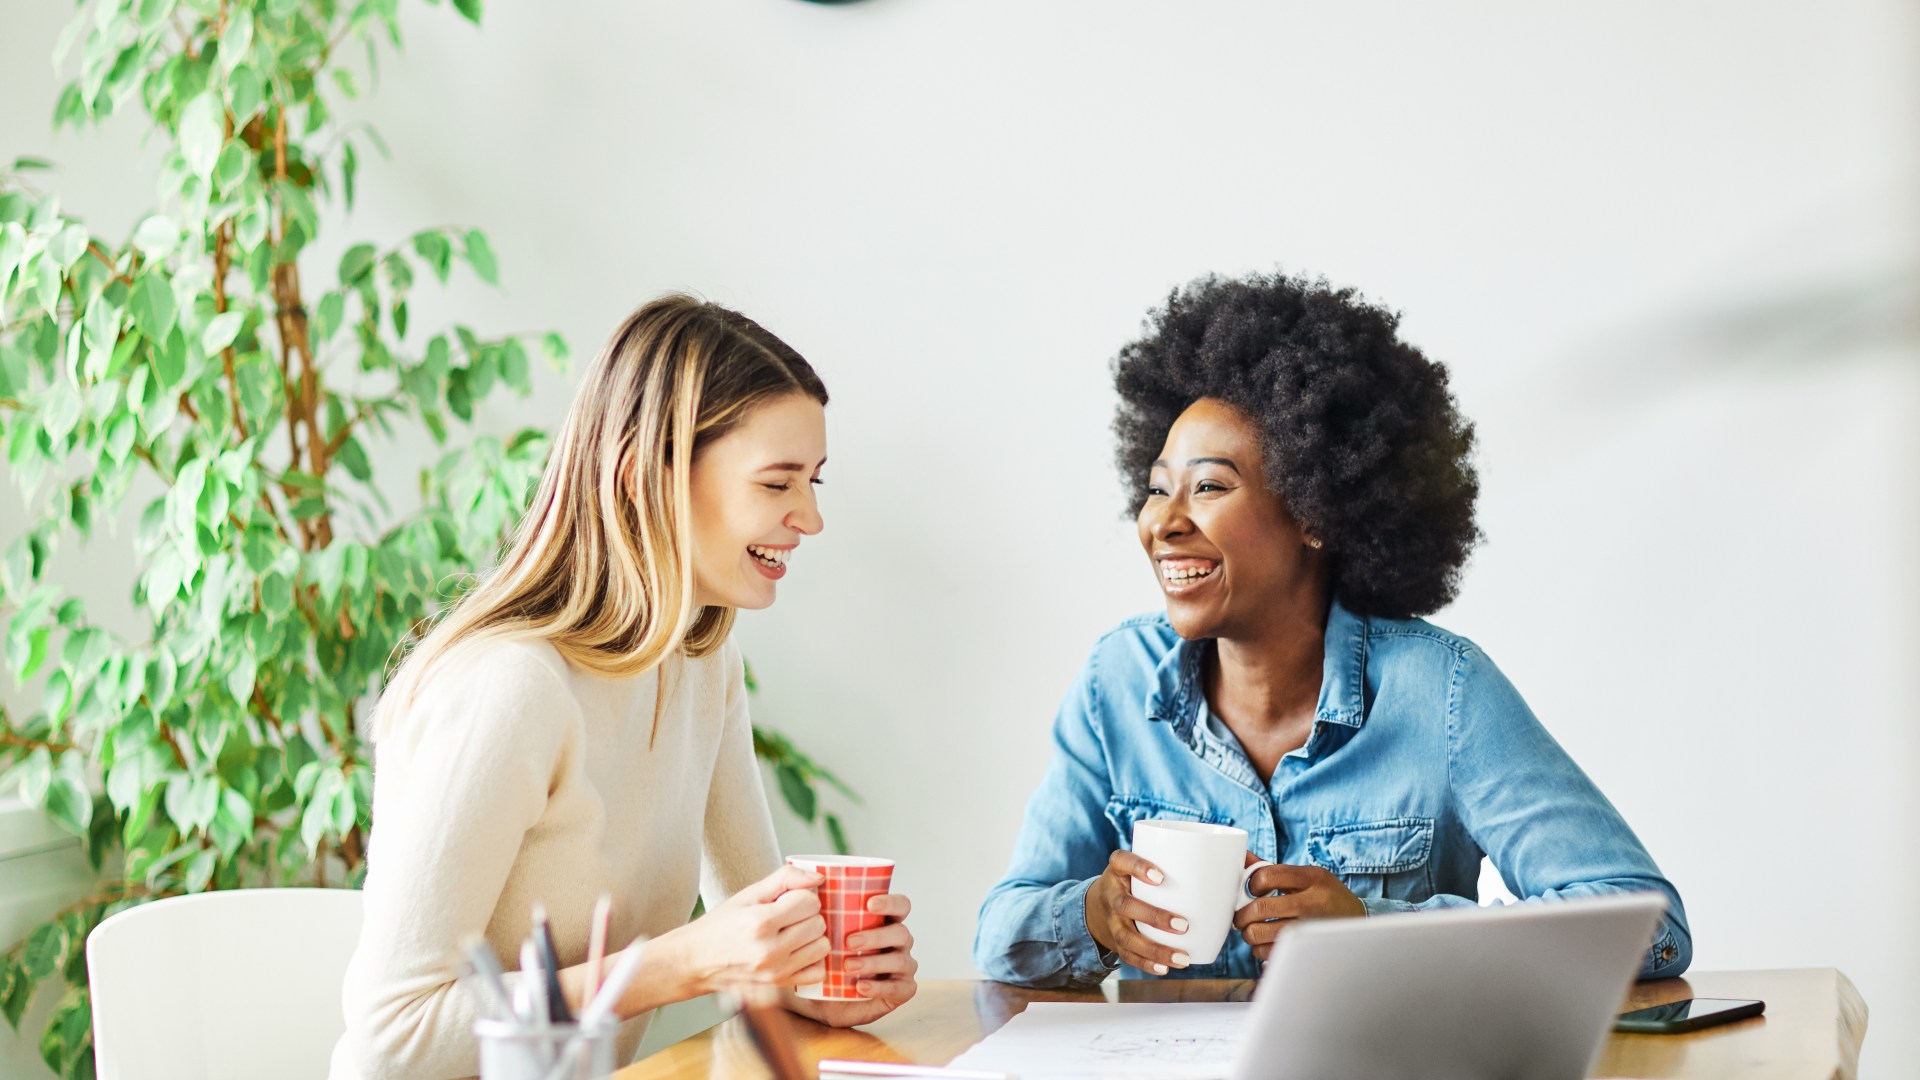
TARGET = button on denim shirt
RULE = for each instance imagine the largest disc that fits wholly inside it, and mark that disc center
(1422, 758)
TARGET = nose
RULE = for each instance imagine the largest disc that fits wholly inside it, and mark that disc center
(807, 520)
(1166, 521)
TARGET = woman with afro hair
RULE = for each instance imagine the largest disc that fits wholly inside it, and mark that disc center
(1302, 485)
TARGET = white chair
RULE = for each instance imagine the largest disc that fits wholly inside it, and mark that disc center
(242, 983)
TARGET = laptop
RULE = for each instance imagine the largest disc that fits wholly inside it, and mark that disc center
(1522, 992)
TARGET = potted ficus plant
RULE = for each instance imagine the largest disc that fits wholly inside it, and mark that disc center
(205, 372)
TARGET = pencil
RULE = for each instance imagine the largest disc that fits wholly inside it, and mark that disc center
(597, 946)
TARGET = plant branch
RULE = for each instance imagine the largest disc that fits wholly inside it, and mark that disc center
(222, 261)
(8, 738)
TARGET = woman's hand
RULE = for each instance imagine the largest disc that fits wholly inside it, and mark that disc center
(1112, 910)
(769, 932)
(1311, 892)
(886, 976)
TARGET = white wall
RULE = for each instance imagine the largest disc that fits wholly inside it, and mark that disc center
(1667, 250)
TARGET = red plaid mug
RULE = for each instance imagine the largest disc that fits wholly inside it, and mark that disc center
(852, 880)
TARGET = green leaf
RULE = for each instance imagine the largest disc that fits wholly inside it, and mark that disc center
(349, 166)
(244, 93)
(16, 990)
(157, 236)
(354, 457)
(200, 869)
(459, 396)
(170, 362)
(356, 264)
(69, 804)
(555, 347)
(837, 834)
(434, 250)
(120, 435)
(240, 679)
(33, 775)
(235, 39)
(47, 287)
(67, 247)
(797, 792)
(513, 366)
(152, 13)
(45, 948)
(13, 251)
(202, 130)
(276, 594)
(221, 330)
(63, 411)
(102, 321)
(69, 1030)
(480, 257)
(232, 166)
(36, 652)
(470, 9)
(331, 310)
(153, 306)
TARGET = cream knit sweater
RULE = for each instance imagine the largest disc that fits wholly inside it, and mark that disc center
(515, 778)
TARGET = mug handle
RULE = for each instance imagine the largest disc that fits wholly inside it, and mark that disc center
(1246, 885)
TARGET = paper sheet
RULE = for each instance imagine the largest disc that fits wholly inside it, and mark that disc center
(1064, 1040)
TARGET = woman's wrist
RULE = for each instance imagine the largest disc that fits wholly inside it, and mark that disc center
(1094, 914)
(664, 977)
(669, 973)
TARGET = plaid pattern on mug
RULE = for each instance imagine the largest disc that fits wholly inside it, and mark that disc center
(843, 903)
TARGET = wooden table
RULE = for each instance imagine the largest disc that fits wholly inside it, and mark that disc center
(1812, 1030)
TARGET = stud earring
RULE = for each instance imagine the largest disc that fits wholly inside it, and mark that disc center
(1314, 543)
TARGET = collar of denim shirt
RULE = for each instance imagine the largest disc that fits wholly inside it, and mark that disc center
(1177, 693)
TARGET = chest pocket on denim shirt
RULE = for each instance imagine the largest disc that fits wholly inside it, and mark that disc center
(1390, 858)
(1124, 810)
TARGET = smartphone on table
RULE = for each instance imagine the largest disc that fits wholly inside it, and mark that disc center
(1676, 1017)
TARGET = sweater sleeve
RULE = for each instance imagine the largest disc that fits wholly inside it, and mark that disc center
(464, 776)
(738, 839)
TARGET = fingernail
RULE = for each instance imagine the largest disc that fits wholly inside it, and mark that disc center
(1179, 925)
(1156, 876)
(1159, 969)
(853, 965)
(1181, 959)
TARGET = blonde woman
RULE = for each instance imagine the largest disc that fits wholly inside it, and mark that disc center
(578, 723)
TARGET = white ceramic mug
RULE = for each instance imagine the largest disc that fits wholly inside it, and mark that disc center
(1206, 881)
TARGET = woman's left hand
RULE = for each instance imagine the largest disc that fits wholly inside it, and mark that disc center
(885, 973)
(1311, 892)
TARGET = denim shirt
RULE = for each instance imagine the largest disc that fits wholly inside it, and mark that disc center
(1423, 757)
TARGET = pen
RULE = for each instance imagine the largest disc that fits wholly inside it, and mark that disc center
(835, 1066)
(623, 972)
(535, 981)
(596, 946)
(557, 1010)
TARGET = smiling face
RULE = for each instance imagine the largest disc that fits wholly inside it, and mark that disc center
(753, 500)
(1228, 556)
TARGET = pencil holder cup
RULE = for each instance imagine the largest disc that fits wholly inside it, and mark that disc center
(513, 1051)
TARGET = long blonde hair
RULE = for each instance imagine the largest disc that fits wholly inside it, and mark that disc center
(601, 564)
